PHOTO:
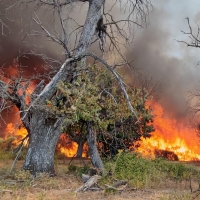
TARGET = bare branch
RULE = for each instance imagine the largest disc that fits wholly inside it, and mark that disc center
(195, 40)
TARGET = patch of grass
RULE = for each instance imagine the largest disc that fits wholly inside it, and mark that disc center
(78, 170)
(178, 196)
(7, 148)
(147, 173)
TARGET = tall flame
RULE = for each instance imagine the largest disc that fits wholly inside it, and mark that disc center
(171, 136)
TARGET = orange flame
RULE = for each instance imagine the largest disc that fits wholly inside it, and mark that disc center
(69, 148)
(169, 135)
(18, 133)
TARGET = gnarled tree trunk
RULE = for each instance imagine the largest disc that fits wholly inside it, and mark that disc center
(43, 138)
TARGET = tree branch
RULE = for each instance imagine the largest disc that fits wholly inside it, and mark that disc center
(110, 68)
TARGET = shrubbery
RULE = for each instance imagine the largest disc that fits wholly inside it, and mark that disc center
(147, 173)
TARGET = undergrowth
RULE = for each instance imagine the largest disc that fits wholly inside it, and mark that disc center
(148, 173)
(8, 149)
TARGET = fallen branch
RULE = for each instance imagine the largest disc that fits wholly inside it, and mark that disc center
(85, 177)
(95, 188)
(10, 191)
(18, 152)
(93, 180)
(117, 188)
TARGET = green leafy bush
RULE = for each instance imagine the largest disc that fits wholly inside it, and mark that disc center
(147, 173)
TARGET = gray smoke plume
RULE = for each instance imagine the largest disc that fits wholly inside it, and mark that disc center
(155, 50)
(172, 64)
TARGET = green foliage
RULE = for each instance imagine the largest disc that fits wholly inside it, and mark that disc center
(72, 168)
(6, 146)
(83, 100)
(96, 97)
(22, 175)
(78, 170)
(146, 173)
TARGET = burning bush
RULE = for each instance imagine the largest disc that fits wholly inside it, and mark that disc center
(165, 154)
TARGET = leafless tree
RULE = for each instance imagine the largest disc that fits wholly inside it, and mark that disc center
(78, 41)
(194, 96)
(193, 35)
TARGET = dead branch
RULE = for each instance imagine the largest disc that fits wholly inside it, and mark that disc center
(85, 177)
(118, 186)
(2, 27)
(93, 180)
(3, 190)
(18, 152)
(195, 40)
(110, 68)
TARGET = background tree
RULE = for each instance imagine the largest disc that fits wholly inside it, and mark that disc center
(193, 95)
(44, 128)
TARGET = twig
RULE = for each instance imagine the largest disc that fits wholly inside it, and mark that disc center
(18, 154)
(117, 188)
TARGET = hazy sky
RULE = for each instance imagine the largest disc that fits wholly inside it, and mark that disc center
(176, 11)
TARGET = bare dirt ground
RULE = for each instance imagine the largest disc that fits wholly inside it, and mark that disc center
(63, 187)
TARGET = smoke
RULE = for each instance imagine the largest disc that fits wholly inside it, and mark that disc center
(20, 35)
(156, 51)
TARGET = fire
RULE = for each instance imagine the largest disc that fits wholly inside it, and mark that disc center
(13, 131)
(18, 133)
(69, 148)
(170, 136)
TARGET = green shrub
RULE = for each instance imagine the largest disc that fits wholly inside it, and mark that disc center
(147, 173)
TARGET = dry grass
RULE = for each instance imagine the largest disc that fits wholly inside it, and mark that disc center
(63, 186)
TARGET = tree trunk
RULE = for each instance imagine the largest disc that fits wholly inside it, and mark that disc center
(43, 137)
(80, 150)
(92, 145)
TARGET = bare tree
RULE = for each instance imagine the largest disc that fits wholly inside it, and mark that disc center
(100, 26)
(194, 96)
(193, 35)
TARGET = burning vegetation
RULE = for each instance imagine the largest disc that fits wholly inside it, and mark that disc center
(88, 104)
(170, 139)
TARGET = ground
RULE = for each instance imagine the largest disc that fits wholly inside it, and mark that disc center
(20, 186)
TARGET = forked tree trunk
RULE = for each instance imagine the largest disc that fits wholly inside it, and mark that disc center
(43, 138)
(92, 146)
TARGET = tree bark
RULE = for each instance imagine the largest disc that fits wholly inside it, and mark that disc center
(80, 150)
(43, 138)
(92, 146)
